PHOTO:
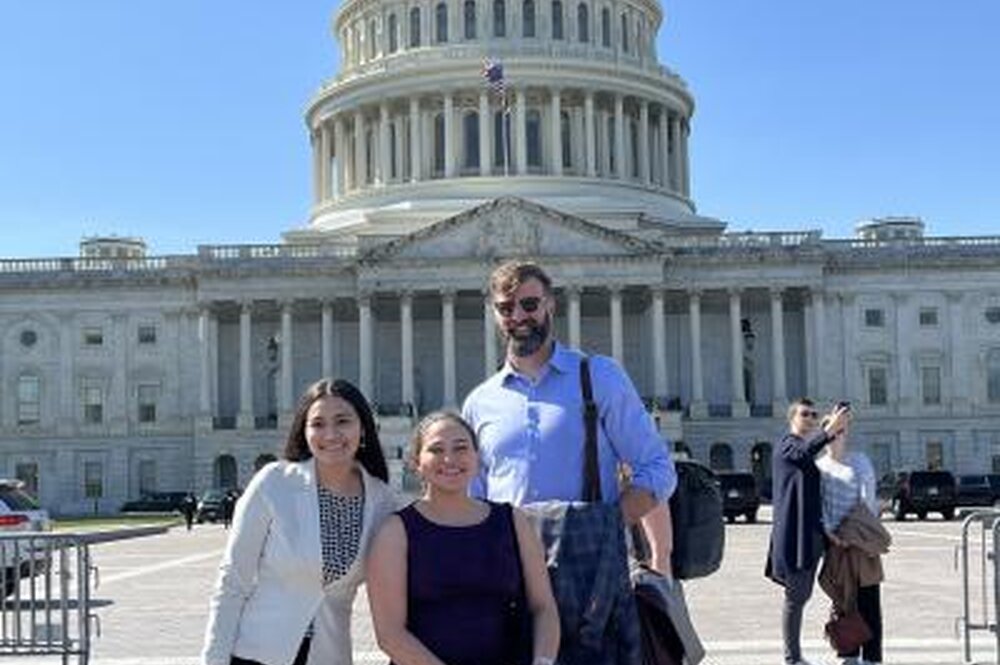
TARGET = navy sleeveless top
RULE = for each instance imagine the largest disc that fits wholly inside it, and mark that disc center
(465, 587)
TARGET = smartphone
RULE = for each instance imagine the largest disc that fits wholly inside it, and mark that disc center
(844, 405)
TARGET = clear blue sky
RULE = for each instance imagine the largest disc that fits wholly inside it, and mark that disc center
(181, 120)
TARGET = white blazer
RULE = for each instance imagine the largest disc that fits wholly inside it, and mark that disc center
(270, 583)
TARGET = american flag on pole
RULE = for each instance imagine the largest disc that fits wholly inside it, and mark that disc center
(493, 76)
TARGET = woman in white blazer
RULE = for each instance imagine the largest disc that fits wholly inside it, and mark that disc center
(301, 530)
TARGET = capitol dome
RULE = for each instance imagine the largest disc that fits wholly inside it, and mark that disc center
(413, 128)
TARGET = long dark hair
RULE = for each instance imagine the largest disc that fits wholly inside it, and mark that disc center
(369, 455)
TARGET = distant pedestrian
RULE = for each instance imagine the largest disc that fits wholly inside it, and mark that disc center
(188, 507)
(797, 539)
(228, 504)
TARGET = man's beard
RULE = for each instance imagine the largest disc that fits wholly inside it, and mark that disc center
(525, 344)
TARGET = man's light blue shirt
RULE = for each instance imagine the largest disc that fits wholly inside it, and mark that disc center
(531, 433)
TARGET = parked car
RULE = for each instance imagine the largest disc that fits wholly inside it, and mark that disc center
(210, 506)
(20, 513)
(977, 489)
(155, 502)
(922, 492)
(739, 495)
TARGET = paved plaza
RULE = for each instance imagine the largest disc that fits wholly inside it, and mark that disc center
(153, 592)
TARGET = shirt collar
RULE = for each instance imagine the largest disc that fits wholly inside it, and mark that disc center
(562, 360)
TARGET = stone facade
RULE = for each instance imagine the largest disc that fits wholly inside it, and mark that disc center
(122, 373)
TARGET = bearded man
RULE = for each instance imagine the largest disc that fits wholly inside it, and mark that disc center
(529, 419)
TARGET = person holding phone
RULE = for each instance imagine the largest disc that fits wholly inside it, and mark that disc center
(797, 538)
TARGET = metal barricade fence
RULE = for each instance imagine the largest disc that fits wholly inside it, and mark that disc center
(980, 570)
(45, 609)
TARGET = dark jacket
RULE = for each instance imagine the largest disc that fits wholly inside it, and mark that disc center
(588, 566)
(797, 532)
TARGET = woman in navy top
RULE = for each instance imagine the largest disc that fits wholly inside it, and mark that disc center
(472, 572)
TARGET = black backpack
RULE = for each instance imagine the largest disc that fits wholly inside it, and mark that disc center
(699, 528)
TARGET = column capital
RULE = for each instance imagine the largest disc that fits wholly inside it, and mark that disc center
(776, 292)
(900, 298)
(954, 296)
(695, 294)
(286, 305)
(405, 294)
(447, 294)
(364, 298)
(657, 290)
(734, 292)
(572, 290)
(615, 290)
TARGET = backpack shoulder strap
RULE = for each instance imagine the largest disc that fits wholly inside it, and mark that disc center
(591, 469)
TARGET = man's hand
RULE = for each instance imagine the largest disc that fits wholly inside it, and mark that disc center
(636, 502)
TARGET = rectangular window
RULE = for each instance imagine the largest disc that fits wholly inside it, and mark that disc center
(878, 386)
(93, 402)
(147, 476)
(875, 318)
(28, 400)
(27, 473)
(935, 456)
(147, 397)
(928, 316)
(93, 337)
(147, 334)
(93, 480)
(930, 382)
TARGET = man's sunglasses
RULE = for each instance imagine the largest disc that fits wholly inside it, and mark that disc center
(529, 305)
(808, 413)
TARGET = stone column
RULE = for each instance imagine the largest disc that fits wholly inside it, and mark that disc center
(360, 158)
(664, 157)
(245, 416)
(490, 359)
(485, 124)
(675, 155)
(739, 404)
(119, 409)
(521, 131)
(415, 137)
(588, 130)
(659, 336)
(779, 391)
(449, 134)
(617, 332)
(906, 382)
(619, 137)
(285, 398)
(819, 346)
(643, 148)
(960, 402)
(384, 153)
(573, 316)
(448, 346)
(365, 345)
(684, 167)
(556, 130)
(340, 145)
(323, 165)
(406, 355)
(205, 388)
(698, 408)
(67, 395)
(326, 338)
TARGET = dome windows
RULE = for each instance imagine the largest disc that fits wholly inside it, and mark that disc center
(415, 27)
(557, 19)
(528, 18)
(582, 23)
(499, 18)
(441, 23)
(469, 14)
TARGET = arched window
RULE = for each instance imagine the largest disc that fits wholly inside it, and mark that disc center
(993, 377)
(624, 33)
(501, 139)
(393, 34)
(606, 27)
(582, 23)
(29, 399)
(225, 472)
(533, 133)
(470, 19)
(441, 23)
(720, 457)
(557, 19)
(528, 18)
(499, 18)
(470, 140)
(415, 27)
(567, 146)
(371, 40)
(438, 145)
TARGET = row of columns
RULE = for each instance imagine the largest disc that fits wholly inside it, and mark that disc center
(661, 163)
(366, 374)
(368, 37)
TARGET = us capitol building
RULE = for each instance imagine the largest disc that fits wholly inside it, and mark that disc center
(123, 372)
